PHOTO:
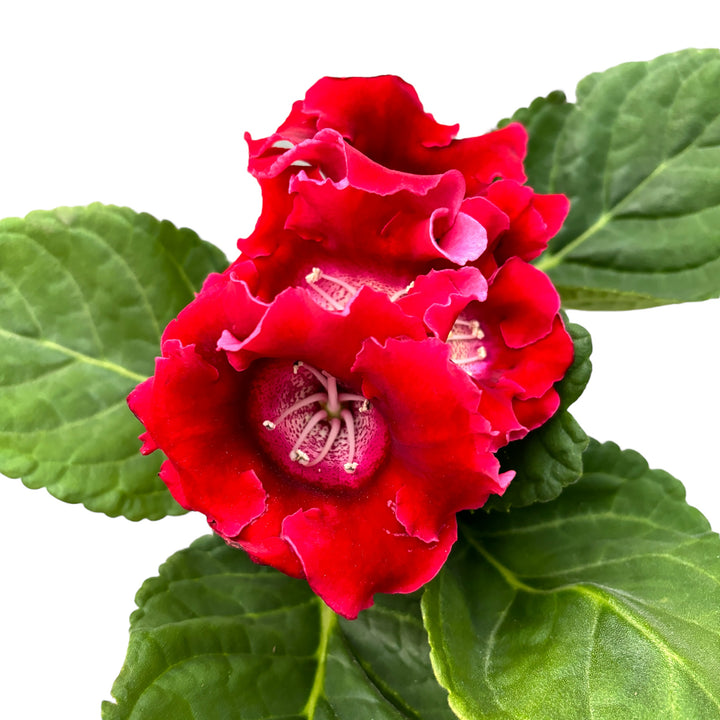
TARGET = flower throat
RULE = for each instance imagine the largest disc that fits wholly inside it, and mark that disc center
(315, 429)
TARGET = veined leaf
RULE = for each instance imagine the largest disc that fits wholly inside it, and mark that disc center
(639, 157)
(602, 604)
(216, 636)
(85, 295)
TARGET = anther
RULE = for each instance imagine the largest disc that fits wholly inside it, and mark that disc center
(480, 354)
(350, 468)
(299, 456)
(269, 424)
(283, 145)
(468, 331)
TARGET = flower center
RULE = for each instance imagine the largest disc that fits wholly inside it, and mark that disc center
(314, 429)
(467, 349)
(333, 290)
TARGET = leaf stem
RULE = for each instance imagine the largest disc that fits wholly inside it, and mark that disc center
(328, 621)
(548, 261)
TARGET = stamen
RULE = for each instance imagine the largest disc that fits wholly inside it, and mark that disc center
(481, 354)
(326, 296)
(349, 466)
(296, 453)
(320, 377)
(479, 335)
(469, 330)
(404, 291)
(333, 410)
(301, 163)
(283, 145)
(350, 397)
(309, 400)
(317, 274)
(332, 436)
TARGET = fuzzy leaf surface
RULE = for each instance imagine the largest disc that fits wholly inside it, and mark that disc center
(86, 293)
(638, 155)
(216, 636)
(602, 604)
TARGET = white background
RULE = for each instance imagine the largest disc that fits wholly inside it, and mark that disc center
(145, 104)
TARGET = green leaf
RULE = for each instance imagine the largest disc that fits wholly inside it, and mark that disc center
(639, 157)
(86, 294)
(550, 457)
(543, 120)
(576, 378)
(602, 604)
(216, 636)
(545, 461)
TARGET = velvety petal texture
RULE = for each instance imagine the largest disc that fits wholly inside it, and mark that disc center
(334, 398)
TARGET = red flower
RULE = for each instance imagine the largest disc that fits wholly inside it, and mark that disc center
(334, 399)
(316, 439)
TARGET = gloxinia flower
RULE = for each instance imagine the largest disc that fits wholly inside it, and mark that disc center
(335, 219)
(333, 445)
(366, 134)
(334, 398)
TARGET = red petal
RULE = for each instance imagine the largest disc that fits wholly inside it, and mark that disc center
(224, 303)
(347, 568)
(382, 116)
(431, 407)
(534, 219)
(195, 420)
(523, 301)
(297, 328)
(439, 297)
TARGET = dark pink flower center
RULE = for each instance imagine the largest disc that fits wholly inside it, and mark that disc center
(313, 428)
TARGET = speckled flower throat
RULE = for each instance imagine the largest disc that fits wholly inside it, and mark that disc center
(313, 428)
